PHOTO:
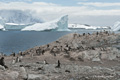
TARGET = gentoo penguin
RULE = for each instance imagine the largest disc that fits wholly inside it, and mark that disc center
(58, 66)
(13, 62)
(23, 72)
(2, 63)
(45, 62)
(13, 54)
(21, 57)
(17, 60)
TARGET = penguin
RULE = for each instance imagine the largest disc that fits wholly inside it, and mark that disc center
(43, 51)
(83, 34)
(58, 66)
(21, 57)
(23, 72)
(17, 60)
(13, 54)
(97, 33)
(45, 62)
(13, 62)
(48, 45)
(88, 33)
(20, 52)
(2, 63)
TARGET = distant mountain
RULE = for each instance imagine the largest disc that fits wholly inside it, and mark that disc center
(19, 17)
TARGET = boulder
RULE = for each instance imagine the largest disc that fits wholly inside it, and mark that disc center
(37, 77)
(12, 74)
(96, 59)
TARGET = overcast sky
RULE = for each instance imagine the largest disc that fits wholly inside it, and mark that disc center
(92, 12)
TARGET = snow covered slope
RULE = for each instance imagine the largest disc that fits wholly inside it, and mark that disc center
(116, 26)
(60, 24)
(84, 26)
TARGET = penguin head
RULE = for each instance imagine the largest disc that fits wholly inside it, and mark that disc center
(2, 58)
(21, 65)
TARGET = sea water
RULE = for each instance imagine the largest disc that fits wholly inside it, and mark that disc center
(15, 41)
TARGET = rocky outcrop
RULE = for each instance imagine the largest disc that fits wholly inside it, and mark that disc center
(95, 47)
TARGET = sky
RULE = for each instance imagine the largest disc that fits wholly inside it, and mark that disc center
(92, 12)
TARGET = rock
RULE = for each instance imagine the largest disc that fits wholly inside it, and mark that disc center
(96, 59)
(103, 55)
(13, 75)
(37, 77)
(2, 67)
(112, 56)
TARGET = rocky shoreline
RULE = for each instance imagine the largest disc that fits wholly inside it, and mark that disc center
(71, 57)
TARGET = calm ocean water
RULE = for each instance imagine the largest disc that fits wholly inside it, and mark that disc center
(15, 41)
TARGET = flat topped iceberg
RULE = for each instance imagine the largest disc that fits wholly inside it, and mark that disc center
(60, 24)
(1, 23)
(1, 27)
(116, 26)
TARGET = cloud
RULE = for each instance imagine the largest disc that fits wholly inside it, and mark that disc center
(50, 8)
(50, 11)
(99, 4)
(81, 0)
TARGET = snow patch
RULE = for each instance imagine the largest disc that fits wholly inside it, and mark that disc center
(13, 24)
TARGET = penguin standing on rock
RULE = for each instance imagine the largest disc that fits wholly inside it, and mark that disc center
(45, 62)
(23, 73)
(58, 66)
(17, 60)
(2, 63)
(13, 62)
(13, 54)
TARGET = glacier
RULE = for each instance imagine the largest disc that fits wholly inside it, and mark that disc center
(19, 16)
(17, 19)
(14, 26)
(116, 26)
(60, 24)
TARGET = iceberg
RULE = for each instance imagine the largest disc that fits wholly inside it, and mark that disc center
(1, 24)
(116, 26)
(60, 24)
(1, 27)
(14, 26)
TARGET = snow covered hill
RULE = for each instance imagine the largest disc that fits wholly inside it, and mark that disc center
(60, 24)
(85, 26)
